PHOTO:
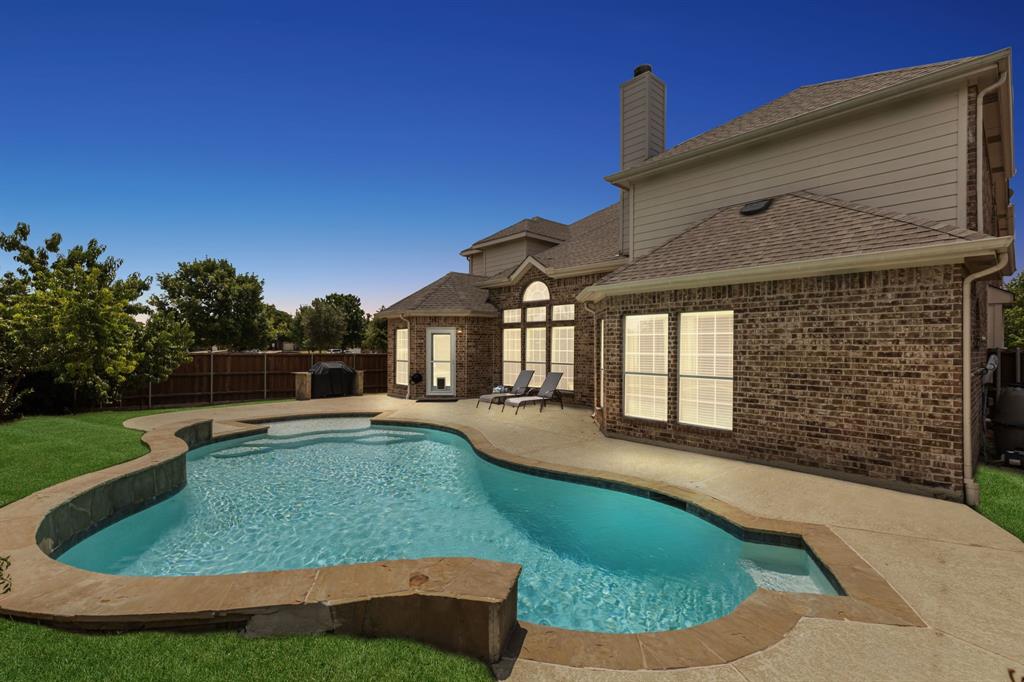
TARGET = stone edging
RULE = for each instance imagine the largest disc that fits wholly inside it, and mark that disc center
(460, 604)
(760, 621)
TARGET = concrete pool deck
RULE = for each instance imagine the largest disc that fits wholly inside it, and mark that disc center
(957, 572)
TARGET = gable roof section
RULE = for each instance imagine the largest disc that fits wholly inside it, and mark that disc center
(799, 233)
(803, 102)
(593, 242)
(536, 227)
(453, 294)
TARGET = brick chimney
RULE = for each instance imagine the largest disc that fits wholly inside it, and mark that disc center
(643, 116)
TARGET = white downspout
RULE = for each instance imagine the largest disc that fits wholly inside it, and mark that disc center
(979, 145)
(408, 384)
(970, 485)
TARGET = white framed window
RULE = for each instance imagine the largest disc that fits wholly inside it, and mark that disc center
(645, 367)
(536, 354)
(512, 316)
(537, 291)
(705, 368)
(562, 341)
(537, 314)
(402, 357)
(601, 366)
(511, 355)
(563, 312)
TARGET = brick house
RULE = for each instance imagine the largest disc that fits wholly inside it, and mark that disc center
(805, 286)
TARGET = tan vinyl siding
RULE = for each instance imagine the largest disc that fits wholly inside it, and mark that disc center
(502, 256)
(904, 158)
(535, 246)
(643, 119)
(476, 264)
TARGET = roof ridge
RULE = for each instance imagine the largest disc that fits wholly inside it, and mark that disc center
(944, 62)
(797, 105)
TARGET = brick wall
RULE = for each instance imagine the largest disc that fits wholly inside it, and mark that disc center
(562, 291)
(858, 373)
(475, 363)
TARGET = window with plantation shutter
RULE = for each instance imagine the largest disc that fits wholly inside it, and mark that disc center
(536, 314)
(511, 355)
(645, 367)
(562, 355)
(705, 368)
(536, 354)
(402, 357)
(512, 316)
(563, 312)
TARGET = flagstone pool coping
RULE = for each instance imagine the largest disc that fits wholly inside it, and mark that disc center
(459, 604)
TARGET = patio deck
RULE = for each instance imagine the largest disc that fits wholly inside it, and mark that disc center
(956, 570)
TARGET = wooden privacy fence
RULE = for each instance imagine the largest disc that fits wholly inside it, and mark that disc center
(223, 377)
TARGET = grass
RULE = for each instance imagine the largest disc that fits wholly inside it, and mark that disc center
(1002, 497)
(36, 452)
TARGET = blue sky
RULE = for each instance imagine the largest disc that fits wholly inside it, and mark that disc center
(357, 147)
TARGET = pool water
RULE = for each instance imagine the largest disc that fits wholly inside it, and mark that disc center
(339, 491)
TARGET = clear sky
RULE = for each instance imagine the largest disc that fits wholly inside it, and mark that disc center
(357, 147)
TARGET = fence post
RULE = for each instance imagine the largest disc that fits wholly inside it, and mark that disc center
(150, 391)
(264, 375)
(1017, 364)
(211, 375)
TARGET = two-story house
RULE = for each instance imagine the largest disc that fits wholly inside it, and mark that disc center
(804, 286)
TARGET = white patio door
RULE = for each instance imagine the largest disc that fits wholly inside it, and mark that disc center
(440, 361)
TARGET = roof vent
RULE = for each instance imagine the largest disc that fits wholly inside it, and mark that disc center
(755, 206)
(643, 68)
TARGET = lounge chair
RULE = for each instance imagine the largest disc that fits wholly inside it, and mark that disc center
(521, 386)
(547, 391)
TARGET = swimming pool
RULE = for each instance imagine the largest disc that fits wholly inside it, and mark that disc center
(338, 491)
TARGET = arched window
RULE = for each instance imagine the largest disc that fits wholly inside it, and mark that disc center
(537, 291)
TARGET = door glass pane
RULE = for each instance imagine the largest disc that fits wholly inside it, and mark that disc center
(442, 347)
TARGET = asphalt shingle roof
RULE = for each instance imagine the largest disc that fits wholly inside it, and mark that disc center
(804, 100)
(535, 225)
(593, 239)
(796, 227)
(455, 291)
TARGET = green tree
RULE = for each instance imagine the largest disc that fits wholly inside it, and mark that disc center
(163, 343)
(334, 321)
(375, 334)
(1013, 315)
(222, 307)
(279, 324)
(70, 314)
(322, 325)
(353, 318)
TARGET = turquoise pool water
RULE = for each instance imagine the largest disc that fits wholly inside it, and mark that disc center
(338, 491)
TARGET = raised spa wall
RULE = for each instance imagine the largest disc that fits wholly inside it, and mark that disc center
(463, 605)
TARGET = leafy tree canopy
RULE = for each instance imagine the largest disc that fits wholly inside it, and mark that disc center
(375, 334)
(279, 324)
(1013, 315)
(222, 307)
(334, 321)
(68, 313)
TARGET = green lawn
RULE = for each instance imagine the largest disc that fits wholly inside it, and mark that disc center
(36, 452)
(1002, 497)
